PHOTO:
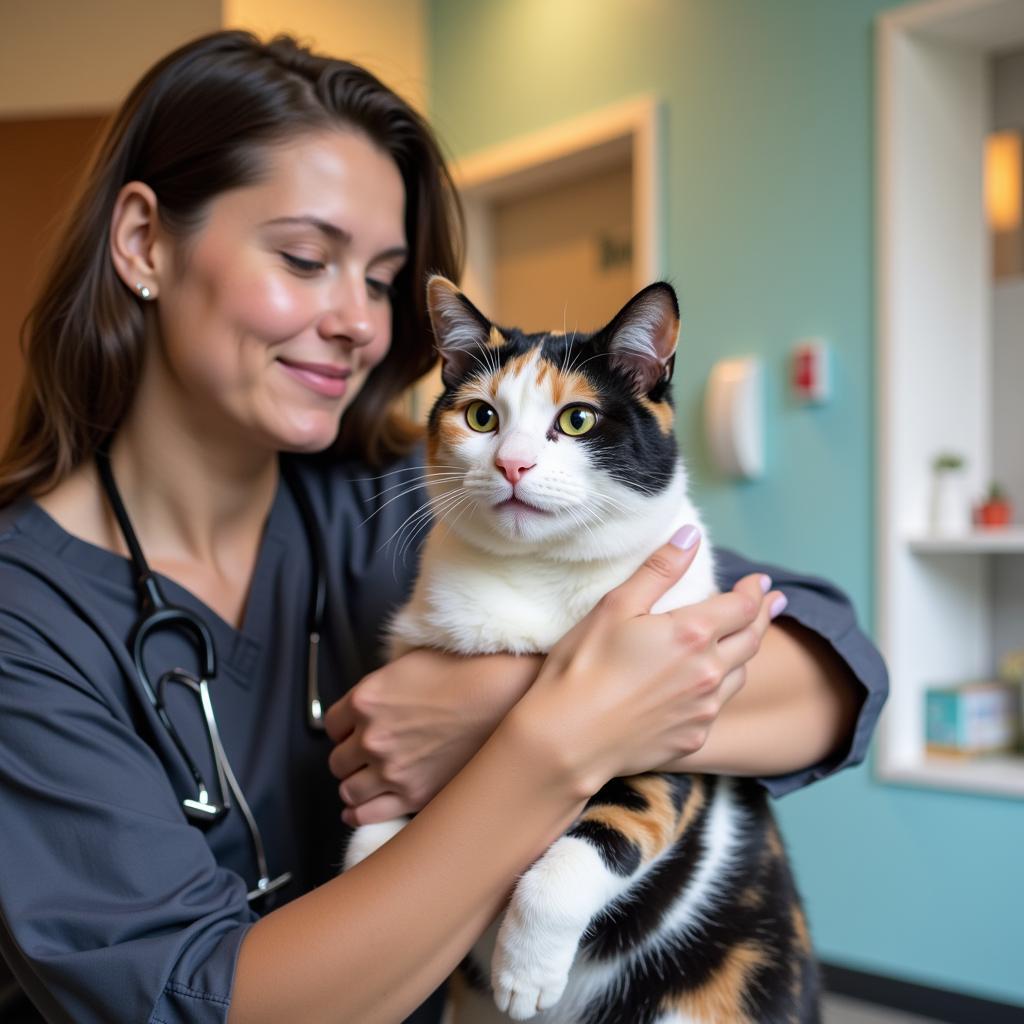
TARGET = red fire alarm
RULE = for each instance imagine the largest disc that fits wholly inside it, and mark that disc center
(810, 374)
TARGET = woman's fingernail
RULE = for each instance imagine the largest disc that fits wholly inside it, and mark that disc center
(779, 605)
(685, 538)
(766, 583)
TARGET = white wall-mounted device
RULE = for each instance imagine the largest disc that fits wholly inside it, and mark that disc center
(734, 417)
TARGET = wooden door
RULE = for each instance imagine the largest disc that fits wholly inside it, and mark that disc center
(41, 162)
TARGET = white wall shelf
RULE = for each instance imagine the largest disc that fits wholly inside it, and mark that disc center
(939, 599)
(1007, 540)
(994, 776)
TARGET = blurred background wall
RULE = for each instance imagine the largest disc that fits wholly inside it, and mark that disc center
(768, 163)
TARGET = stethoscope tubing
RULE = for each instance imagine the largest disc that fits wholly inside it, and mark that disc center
(157, 613)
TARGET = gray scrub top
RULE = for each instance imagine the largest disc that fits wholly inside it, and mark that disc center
(113, 907)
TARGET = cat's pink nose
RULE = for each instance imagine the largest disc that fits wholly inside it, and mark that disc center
(513, 468)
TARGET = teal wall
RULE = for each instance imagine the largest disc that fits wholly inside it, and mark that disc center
(768, 229)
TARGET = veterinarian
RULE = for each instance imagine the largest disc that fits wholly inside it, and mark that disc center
(190, 590)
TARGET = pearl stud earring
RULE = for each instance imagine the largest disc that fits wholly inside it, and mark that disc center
(143, 291)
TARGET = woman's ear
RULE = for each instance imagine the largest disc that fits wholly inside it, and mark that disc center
(135, 243)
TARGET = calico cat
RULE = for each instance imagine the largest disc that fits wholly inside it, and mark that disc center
(553, 473)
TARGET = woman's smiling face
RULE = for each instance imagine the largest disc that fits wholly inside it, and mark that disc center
(272, 313)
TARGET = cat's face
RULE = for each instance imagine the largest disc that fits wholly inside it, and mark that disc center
(539, 439)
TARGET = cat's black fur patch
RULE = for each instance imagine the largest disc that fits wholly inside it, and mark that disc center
(619, 793)
(620, 854)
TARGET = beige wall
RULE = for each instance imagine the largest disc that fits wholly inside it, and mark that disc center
(387, 36)
(65, 57)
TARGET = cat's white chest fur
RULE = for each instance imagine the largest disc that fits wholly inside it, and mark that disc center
(472, 601)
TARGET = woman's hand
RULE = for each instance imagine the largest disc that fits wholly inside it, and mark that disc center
(407, 729)
(626, 691)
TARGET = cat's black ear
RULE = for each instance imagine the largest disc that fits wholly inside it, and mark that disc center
(642, 337)
(460, 329)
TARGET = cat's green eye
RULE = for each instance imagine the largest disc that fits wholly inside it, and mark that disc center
(576, 420)
(481, 417)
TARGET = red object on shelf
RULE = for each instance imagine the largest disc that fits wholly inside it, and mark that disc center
(993, 513)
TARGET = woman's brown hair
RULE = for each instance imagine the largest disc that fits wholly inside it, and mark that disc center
(193, 127)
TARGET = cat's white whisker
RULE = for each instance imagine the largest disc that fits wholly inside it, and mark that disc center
(423, 481)
(416, 518)
(469, 503)
(400, 469)
(395, 497)
(615, 503)
(435, 510)
(407, 533)
(487, 360)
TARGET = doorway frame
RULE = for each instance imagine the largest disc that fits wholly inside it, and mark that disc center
(631, 130)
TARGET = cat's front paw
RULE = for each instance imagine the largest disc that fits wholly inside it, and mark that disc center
(531, 963)
(525, 988)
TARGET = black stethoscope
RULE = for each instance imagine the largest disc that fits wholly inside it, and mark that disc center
(157, 613)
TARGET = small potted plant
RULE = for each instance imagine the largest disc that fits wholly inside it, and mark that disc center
(950, 511)
(995, 510)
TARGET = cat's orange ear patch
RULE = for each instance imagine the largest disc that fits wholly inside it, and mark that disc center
(496, 339)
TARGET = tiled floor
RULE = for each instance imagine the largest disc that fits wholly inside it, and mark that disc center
(840, 1010)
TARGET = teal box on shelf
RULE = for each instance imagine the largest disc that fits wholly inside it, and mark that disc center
(972, 718)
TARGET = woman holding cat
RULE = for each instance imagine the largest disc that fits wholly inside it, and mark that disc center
(241, 275)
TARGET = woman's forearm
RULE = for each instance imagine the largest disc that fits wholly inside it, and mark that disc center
(798, 706)
(372, 944)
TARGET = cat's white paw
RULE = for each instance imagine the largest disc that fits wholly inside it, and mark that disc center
(547, 916)
(525, 978)
(368, 839)
(535, 948)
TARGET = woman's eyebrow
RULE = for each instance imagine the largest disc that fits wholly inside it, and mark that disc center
(335, 233)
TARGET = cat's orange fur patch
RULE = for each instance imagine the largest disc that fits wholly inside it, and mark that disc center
(650, 829)
(658, 825)
(516, 366)
(565, 387)
(451, 427)
(662, 412)
(720, 998)
(495, 339)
